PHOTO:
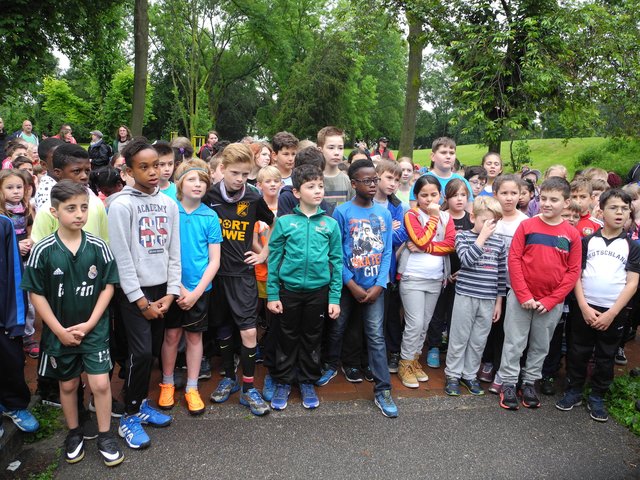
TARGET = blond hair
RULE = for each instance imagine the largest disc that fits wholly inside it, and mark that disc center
(633, 189)
(389, 166)
(485, 204)
(328, 132)
(268, 173)
(193, 165)
(562, 168)
(236, 153)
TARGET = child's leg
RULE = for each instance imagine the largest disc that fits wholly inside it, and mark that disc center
(288, 345)
(542, 327)
(393, 322)
(580, 349)
(101, 388)
(551, 364)
(441, 316)
(14, 392)
(170, 351)
(248, 356)
(352, 341)
(606, 343)
(413, 299)
(483, 313)
(312, 323)
(337, 328)
(194, 356)
(432, 289)
(69, 401)
(461, 324)
(372, 316)
(517, 323)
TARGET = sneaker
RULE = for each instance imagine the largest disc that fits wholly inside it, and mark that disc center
(452, 387)
(570, 399)
(496, 385)
(150, 416)
(327, 375)
(547, 386)
(23, 419)
(385, 403)
(367, 374)
(269, 388)
(109, 450)
(420, 374)
(32, 349)
(620, 358)
(597, 409)
(225, 388)
(352, 374)
(281, 396)
(50, 399)
(252, 399)
(407, 375)
(394, 359)
(508, 397)
(530, 397)
(205, 369)
(131, 430)
(433, 358)
(309, 398)
(195, 405)
(88, 426)
(473, 386)
(166, 400)
(117, 407)
(486, 373)
(74, 447)
(236, 362)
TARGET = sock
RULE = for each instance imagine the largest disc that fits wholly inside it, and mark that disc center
(168, 379)
(226, 351)
(248, 361)
(191, 384)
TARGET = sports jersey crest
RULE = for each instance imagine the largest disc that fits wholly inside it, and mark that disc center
(242, 209)
(93, 272)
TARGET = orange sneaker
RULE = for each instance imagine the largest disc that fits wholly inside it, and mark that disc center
(194, 402)
(166, 401)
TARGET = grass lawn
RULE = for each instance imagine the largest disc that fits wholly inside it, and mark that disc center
(544, 152)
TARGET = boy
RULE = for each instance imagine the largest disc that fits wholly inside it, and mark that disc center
(443, 156)
(581, 193)
(366, 230)
(337, 186)
(610, 267)
(166, 159)
(145, 236)
(480, 288)
(572, 213)
(47, 181)
(302, 286)
(285, 146)
(70, 276)
(235, 293)
(544, 266)
(287, 200)
(477, 178)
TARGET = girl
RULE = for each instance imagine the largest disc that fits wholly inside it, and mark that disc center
(106, 181)
(200, 238)
(527, 193)
(182, 150)
(556, 171)
(423, 266)
(261, 158)
(456, 197)
(406, 181)
(123, 137)
(492, 163)
(506, 189)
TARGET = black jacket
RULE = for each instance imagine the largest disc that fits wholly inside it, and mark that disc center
(100, 153)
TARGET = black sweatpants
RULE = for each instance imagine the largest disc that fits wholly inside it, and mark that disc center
(392, 320)
(14, 393)
(441, 316)
(586, 341)
(144, 340)
(300, 336)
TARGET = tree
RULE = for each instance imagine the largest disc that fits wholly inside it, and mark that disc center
(60, 105)
(118, 103)
(141, 49)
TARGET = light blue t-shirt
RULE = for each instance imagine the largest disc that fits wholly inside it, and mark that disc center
(171, 191)
(443, 182)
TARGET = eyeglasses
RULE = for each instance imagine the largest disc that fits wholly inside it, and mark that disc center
(368, 181)
(477, 183)
(614, 208)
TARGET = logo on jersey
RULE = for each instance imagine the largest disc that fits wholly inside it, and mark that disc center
(53, 362)
(93, 272)
(242, 209)
(57, 271)
(586, 231)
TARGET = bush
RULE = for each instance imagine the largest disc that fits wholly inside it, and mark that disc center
(617, 155)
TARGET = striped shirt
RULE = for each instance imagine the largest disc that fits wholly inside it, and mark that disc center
(483, 270)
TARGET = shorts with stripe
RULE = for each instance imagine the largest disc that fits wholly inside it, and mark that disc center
(70, 365)
(196, 319)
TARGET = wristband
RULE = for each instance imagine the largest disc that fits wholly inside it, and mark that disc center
(142, 310)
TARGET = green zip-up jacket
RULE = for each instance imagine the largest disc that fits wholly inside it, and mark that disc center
(305, 253)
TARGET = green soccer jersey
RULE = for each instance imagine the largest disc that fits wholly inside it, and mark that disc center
(71, 284)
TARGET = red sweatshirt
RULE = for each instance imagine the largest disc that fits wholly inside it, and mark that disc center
(544, 261)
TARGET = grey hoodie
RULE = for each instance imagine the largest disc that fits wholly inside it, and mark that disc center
(144, 235)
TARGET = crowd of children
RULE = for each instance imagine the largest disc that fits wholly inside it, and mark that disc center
(286, 254)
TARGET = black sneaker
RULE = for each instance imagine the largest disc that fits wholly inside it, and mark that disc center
(394, 360)
(597, 410)
(508, 397)
(205, 369)
(368, 374)
(74, 446)
(547, 386)
(620, 358)
(530, 397)
(109, 450)
(352, 374)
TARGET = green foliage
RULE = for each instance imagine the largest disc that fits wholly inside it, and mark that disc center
(617, 155)
(60, 105)
(621, 401)
(50, 419)
(520, 154)
(118, 102)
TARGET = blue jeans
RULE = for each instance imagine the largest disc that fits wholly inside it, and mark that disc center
(372, 317)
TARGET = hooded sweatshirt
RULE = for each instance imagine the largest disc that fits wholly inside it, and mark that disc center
(144, 234)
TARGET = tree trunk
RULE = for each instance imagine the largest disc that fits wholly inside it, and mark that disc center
(417, 41)
(141, 49)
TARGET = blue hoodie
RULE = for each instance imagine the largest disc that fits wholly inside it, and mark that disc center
(12, 298)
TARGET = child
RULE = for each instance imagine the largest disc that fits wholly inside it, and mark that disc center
(492, 163)
(107, 181)
(166, 158)
(337, 187)
(70, 276)
(477, 178)
(285, 146)
(572, 213)
(366, 230)
(598, 187)
(609, 279)
(45, 152)
(544, 266)
(581, 193)
(14, 149)
(145, 236)
(480, 288)
(261, 158)
(406, 182)
(200, 239)
(286, 199)
(302, 287)
(556, 171)
(456, 199)
(424, 269)
(235, 293)
(269, 181)
(507, 192)
(527, 194)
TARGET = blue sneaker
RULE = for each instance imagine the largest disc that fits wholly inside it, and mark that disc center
(252, 399)
(386, 404)
(23, 419)
(226, 387)
(327, 375)
(433, 358)
(597, 410)
(309, 397)
(131, 430)
(473, 386)
(279, 400)
(269, 388)
(151, 416)
(452, 387)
